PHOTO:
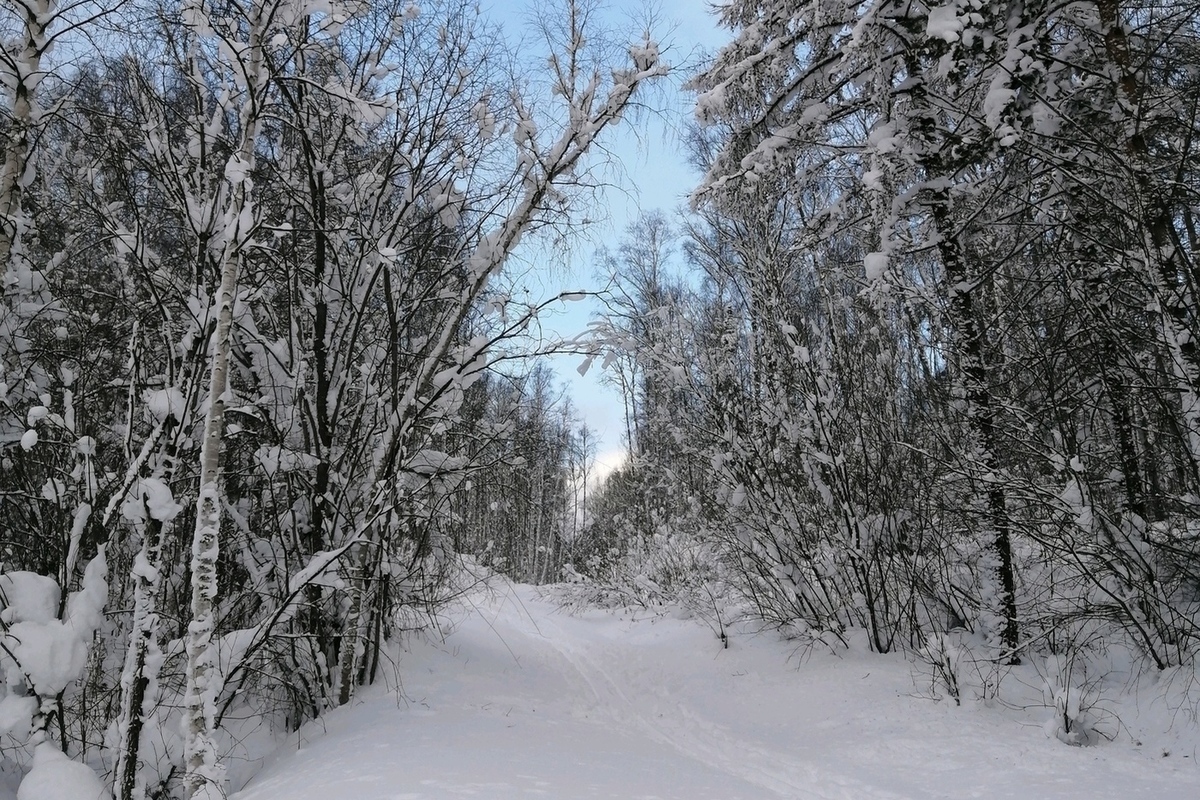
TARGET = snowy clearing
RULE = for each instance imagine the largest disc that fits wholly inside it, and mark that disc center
(521, 699)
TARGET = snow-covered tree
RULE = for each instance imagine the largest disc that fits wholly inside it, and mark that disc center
(942, 365)
(288, 224)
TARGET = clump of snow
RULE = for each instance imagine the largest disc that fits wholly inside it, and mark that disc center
(321, 570)
(48, 653)
(16, 713)
(28, 597)
(875, 265)
(56, 777)
(1000, 95)
(482, 114)
(525, 131)
(162, 403)
(585, 365)
(150, 496)
(85, 608)
(433, 462)
(273, 459)
(1073, 721)
(54, 490)
(883, 139)
(944, 23)
(645, 55)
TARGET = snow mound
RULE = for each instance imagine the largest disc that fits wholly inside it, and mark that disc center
(56, 777)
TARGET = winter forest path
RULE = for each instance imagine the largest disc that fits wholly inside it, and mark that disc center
(521, 700)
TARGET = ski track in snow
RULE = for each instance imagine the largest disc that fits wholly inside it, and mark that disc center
(522, 700)
(676, 726)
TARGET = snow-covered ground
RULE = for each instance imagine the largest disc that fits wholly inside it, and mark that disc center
(521, 700)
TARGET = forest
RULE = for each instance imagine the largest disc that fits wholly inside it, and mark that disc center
(919, 363)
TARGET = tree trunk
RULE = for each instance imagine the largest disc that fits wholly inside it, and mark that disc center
(135, 681)
(203, 776)
(973, 377)
(15, 172)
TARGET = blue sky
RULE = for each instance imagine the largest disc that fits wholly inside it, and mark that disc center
(652, 174)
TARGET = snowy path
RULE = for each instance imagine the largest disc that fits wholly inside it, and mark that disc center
(523, 701)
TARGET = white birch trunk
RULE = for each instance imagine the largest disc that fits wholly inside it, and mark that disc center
(349, 657)
(140, 673)
(137, 702)
(204, 775)
(22, 80)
